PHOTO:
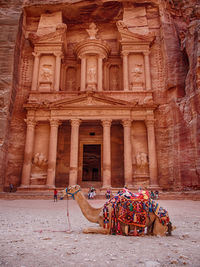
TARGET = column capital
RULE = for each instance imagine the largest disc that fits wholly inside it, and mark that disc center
(101, 56)
(82, 56)
(149, 123)
(127, 122)
(124, 53)
(54, 122)
(75, 122)
(106, 123)
(146, 53)
(58, 54)
(36, 54)
(30, 122)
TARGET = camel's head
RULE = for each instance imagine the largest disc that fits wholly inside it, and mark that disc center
(72, 190)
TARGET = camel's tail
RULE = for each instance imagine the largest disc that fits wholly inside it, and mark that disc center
(170, 228)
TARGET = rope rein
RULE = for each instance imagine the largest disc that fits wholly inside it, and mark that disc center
(68, 220)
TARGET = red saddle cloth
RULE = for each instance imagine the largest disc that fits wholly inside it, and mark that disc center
(133, 211)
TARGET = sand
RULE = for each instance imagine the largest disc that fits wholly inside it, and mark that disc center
(33, 233)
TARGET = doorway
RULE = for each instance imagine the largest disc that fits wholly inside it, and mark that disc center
(91, 162)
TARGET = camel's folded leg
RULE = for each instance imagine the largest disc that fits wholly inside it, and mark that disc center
(97, 230)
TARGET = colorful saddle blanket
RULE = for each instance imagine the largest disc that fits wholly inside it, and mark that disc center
(132, 209)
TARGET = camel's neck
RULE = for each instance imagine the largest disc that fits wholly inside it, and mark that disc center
(92, 214)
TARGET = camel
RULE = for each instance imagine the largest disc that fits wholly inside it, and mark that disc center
(95, 215)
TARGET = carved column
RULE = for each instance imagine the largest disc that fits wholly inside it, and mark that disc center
(53, 138)
(83, 72)
(125, 71)
(28, 152)
(127, 153)
(106, 154)
(100, 73)
(147, 71)
(35, 71)
(73, 173)
(57, 71)
(152, 153)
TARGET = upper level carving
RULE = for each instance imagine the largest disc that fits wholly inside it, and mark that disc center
(95, 62)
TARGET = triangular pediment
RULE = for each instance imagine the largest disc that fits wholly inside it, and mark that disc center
(52, 37)
(135, 37)
(127, 36)
(90, 100)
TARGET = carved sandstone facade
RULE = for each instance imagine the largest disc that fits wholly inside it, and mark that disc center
(91, 99)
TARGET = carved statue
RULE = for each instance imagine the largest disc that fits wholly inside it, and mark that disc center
(92, 75)
(141, 160)
(137, 76)
(137, 73)
(92, 31)
(46, 73)
(114, 83)
(40, 160)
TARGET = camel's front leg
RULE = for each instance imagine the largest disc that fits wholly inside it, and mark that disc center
(97, 230)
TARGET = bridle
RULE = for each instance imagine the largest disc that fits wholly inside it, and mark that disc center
(72, 194)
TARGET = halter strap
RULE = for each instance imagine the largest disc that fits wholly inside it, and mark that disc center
(72, 194)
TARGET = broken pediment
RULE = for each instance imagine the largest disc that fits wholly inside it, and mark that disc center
(127, 36)
(90, 100)
(52, 37)
(51, 29)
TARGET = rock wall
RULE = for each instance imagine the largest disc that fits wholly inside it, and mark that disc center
(10, 25)
(176, 85)
(178, 132)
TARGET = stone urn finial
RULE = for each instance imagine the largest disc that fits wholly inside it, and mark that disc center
(92, 31)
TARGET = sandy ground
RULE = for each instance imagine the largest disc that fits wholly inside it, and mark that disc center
(32, 233)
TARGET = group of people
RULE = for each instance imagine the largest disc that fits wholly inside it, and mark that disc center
(91, 193)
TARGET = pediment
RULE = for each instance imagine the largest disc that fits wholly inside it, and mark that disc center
(52, 37)
(135, 37)
(90, 100)
(127, 35)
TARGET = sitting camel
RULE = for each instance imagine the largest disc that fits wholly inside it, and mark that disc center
(96, 215)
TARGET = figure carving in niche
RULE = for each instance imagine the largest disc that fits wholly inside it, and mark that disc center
(39, 160)
(137, 76)
(92, 31)
(141, 163)
(114, 78)
(71, 79)
(46, 73)
(92, 75)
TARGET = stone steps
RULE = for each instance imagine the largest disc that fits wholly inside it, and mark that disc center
(190, 195)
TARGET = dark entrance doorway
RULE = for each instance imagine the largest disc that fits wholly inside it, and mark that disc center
(91, 163)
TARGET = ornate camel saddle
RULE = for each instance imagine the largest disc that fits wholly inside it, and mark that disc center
(132, 209)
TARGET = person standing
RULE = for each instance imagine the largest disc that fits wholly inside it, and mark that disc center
(11, 187)
(55, 195)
